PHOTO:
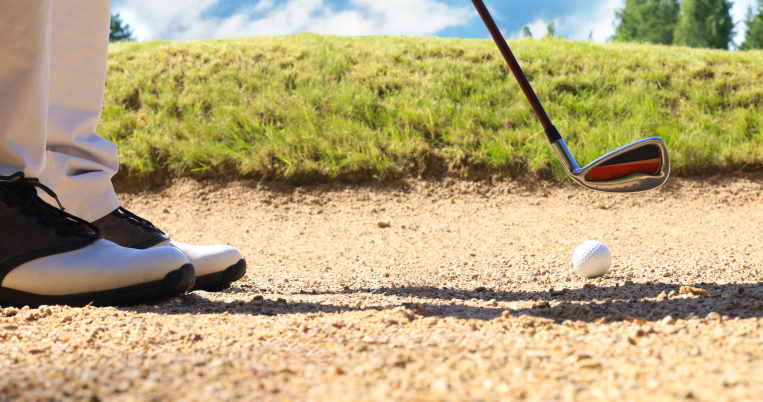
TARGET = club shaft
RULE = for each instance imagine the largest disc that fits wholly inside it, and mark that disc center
(548, 126)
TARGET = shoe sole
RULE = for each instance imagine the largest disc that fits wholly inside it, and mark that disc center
(221, 280)
(175, 283)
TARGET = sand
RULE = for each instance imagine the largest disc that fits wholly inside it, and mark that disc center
(442, 290)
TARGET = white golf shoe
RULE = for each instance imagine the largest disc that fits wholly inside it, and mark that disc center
(216, 266)
(50, 257)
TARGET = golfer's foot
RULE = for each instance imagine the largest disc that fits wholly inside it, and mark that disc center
(50, 257)
(216, 266)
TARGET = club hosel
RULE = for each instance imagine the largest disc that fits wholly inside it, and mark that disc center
(569, 162)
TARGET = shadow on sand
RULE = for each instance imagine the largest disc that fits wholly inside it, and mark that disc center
(614, 303)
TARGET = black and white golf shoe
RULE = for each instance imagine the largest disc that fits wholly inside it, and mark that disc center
(48, 256)
(216, 266)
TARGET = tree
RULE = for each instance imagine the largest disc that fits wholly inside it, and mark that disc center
(754, 37)
(650, 21)
(551, 30)
(120, 31)
(526, 33)
(704, 23)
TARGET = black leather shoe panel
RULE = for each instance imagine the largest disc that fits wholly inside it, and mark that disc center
(32, 229)
(128, 230)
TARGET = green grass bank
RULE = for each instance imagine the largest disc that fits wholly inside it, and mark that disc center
(309, 108)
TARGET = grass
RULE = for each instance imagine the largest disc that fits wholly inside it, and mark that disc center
(309, 108)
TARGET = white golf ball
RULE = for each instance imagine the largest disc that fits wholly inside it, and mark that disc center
(591, 259)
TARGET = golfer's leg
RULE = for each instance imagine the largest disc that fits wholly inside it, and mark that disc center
(80, 164)
(24, 64)
(47, 256)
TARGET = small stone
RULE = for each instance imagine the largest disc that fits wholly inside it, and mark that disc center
(689, 290)
(384, 224)
(542, 304)
(10, 311)
(590, 364)
(191, 299)
(669, 320)
(636, 320)
(558, 292)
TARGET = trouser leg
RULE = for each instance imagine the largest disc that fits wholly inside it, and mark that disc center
(24, 75)
(80, 164)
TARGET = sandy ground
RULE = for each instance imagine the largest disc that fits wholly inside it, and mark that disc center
(426, 291)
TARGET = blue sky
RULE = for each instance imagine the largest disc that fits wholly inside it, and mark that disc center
(208, 19)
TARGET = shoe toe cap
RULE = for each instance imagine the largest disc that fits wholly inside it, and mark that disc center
(209, 259)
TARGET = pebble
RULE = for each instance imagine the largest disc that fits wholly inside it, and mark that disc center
(689, 290)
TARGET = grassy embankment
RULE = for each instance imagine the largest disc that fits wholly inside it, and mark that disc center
(313, 108)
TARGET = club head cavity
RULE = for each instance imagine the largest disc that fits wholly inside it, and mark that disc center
(639, 166)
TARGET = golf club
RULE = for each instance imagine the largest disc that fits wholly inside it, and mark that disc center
(639, 166)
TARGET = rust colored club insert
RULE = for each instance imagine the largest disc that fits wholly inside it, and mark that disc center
(639, 166)
(645, 160)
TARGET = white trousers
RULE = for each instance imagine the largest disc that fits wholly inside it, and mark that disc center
(52, 77)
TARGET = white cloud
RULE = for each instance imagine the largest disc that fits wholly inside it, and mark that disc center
(596, 22)
(177, 19)
(538, 28)
(190, 19)
(264, 5)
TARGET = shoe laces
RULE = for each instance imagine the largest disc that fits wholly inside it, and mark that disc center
(18, 191)
(125, 214)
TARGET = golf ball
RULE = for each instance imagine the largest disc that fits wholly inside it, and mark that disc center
(591, 259)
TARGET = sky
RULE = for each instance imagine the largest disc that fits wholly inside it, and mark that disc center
(215, 19)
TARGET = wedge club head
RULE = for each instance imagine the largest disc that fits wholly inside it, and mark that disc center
(639, 166)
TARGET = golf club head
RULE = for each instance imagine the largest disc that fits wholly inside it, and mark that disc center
(640, 166)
